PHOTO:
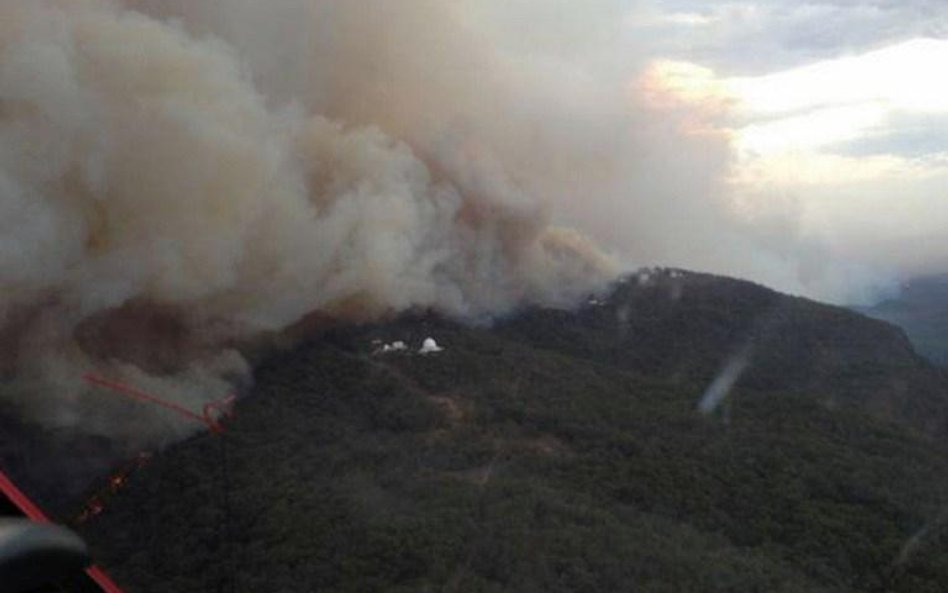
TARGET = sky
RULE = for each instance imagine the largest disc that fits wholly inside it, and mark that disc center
(834, 115)
(838, 106)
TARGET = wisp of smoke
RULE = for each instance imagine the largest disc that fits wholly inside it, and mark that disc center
(162, 201)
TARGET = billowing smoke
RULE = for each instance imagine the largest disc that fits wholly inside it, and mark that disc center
(163, 198)
(179, 177)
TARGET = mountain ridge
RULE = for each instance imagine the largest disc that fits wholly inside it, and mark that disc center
(531, 456)
(921, 309)
(671, 323)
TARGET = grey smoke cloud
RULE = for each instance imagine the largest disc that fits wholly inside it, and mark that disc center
(159, 203)
(178, 177)
(542, 101)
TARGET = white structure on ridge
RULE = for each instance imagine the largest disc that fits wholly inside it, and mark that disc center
(429, 346)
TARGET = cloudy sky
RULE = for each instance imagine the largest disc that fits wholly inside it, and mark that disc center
(839, 105)
(835, 112)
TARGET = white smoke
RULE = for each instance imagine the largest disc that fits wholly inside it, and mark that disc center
(178, 177)
(156, 207)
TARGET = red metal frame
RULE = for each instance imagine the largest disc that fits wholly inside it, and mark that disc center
(211, 415)
(33, 512)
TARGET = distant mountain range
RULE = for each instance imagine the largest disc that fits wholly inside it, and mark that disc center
(682, 433)
(921, 309)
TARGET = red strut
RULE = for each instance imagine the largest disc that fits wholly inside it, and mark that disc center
(33, 512)
(213, 411)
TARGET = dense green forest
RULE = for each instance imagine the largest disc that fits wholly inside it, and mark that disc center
(562, 451)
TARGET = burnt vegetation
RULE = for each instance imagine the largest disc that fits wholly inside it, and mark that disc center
(563, 451)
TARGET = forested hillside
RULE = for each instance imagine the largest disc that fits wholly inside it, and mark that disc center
(562, 451)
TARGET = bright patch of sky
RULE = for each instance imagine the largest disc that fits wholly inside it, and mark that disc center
(853, 78)
(839, 104)
(833, 113)
(889, 102)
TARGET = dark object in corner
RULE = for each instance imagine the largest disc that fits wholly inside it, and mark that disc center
(36, 554)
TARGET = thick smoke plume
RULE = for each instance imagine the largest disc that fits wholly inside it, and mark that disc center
(181, 177)
(166, 193)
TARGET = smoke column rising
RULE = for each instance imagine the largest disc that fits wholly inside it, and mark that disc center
(157, 206)
(178, 177)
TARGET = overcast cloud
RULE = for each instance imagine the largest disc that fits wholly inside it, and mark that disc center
(744, 38)
(827, 122)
